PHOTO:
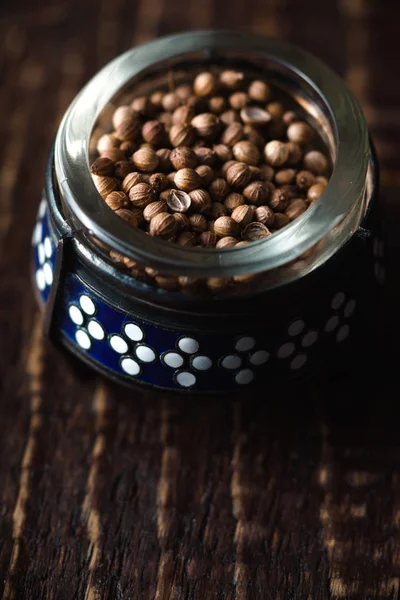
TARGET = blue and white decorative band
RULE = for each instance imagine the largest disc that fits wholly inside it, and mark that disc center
(158, 355)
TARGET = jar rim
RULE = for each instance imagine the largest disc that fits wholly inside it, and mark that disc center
(345, 186)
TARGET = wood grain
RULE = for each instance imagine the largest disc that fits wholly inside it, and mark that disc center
(117, 495)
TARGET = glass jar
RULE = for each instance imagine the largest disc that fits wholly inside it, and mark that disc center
(278, 305)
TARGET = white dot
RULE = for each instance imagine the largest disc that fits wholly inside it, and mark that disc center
(245, 343)
(296, 327)
(48, 248)
(145, 353)
(201, 363)
(309, 339)
(40, 281)
(130, 366)
(349, 308)
(331, 323)
(232, 361)
(37, 234)
(75, 315)
(133, 332)
(41, 254)
(173, 360)
(83, 339)
(118, 344)
(342, 333)
(298, 362)
(87, 305)
(244, 376)
(48, 273)
(286, 350)
(188, 345)
(259, 358)
(96, 330)
(186, 379)
(42, 208)
(338, 300)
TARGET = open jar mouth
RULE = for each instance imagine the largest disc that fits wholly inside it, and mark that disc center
(319, 91)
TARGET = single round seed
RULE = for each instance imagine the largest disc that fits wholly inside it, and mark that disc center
(187, 239)
(117, 200)
(231, 79)
(182, 221)
(300, 133)
(276, 110)
(123, 168)
(276, 153)
(158, 182)
(256, 192)
(295, 209)
(206, 173)
(278, 200)
(128, 148)
(206, 125)
(143, 106)
(145, 159)
(105, 185)
(239, 100)
(234, 200)
(207, 239)
(184, 91)
(218, 210)
(264, 215)
(198, 223)
(182, 134)
(156, 98)
(243, 215)
(121, 114)
(187, 180)
(225, 167)
(107, 142)
(113, 154)
(128, 216)
(200, 200)
(315, 162)
(183, 115)
(218, 189)
(280, 220)
(153, 132)
(255, 231)
(217, 104)
(178, 201)
(223, 152)
(304, 180)
(205, 156)
(166, 119)
(164, 163)
(233, 134)
(205, 84)
(285, 176)
(153, 209)
(246, 152)
(229, 116)
(225, 226)
(238, 175)
(254, 115)
(163, 225)
(227, 242)
(102, 167)
(171, 101)
(129, 129)
(183, 158)
(242, 243)
(130, 180)
(141, 195)
(259, 91)
(289, 117)
(314, 192)
(295, 154)
(267, 173)
(322, 180)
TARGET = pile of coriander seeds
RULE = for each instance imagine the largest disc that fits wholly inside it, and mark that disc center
(215, 163)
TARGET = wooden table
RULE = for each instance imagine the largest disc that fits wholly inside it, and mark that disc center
(119, 495)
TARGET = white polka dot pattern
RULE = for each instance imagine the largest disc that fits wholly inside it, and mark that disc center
(75, 315)
(245, 343)
(48, 273)
(130, 366)
(48, 248)
(188, 345)
(286, 350)
(118, 344)
(296, 327)
(231, 362)
(186, 379)
(201, 363)
(133, 332)
(87, 305)
(309, 339)
(41, 254)
(96, 330)
(259, 358)
(83, 339)
(40, 280)
(173, 360)
(244, 377)
(331, 324)
(145, 353)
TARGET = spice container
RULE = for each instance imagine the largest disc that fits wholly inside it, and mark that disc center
(207, 319)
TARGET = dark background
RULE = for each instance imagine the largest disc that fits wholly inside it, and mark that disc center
(120, 495)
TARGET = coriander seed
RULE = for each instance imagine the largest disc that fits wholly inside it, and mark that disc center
(289, 117)
(259, 91)
(255, 231)
(171, 101)
(182, 134)
(163, 225)
(206, 125)
(156, 98)
(217, 104)
(114, 154)
(121, 114)
(243, 215)
(102, 167)
(130, 180)
(225, 226)
(239, 100)
(153, 132)
(187, 239)
(280, 220)
(117, 200)
(206, 173)
(267, 173)
(218, 210)
(143, 106)
(207, 239)
(304, 180)
(234, 200)
(238, 175)
(314, 192)
(218, 189)
(254, 115)
(295, 154)
(227, 242)
(107, 142)
(105, 185)
(295, 209)
(206, 156)
(278, 200)
(315, 162)
(183, 158)
(129, 129)
(153, 209)
(183, 115)
(256, 192)
(205, 84)
(123, 168)
(300, 133)
(276, 153)
(145, 159)
(182, 221)
(231, 79)
(198, 223)
(128, 216)
(276, 110)
(178, 201)
(200, 200)
(222, 152)
(229, 116)
(164, 163)
(187, 179)
(184, 91)
(233, 134)
(141, 195)
(158, 182)
(246, 152)
(265, 215)
(285, 176)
